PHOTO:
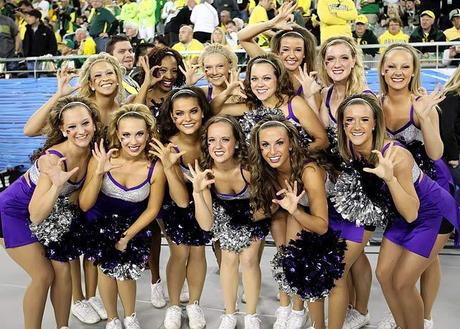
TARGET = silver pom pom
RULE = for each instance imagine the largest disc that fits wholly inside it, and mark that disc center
(251, 118)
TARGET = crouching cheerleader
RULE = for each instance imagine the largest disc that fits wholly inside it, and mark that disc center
(122, 195)
(311, 258)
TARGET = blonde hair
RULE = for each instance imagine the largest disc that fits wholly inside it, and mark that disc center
(217, 48)
(218, 29)
(139, 111)
(356, 81)
(415, 83)
(453, 84)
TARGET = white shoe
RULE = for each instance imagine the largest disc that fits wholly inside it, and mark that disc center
(184, 296)
(355, 320)
(297, 319)
(282, 315)
(157, 297)
(83, 311)
(131, 322)
(114, 324)
(228, 321)
(173, 318)
(98, 306)
(387, 323)
(195, 315)
(251, 321)
(278, 296)
(428, 324)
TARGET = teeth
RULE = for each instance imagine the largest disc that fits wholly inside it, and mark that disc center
(357, 133)
(219, 153)
(133, 148)
(189, 125)
(274, 159)
(261, 91)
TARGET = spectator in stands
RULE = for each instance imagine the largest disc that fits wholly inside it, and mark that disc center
(182, 18)
(371, 9)
(394, 33)
(82, 21)
(188, 43)
(23, 7)
(451, 56)
(243, 9)
(453, 34)
(67, 48)
(102, 23)
(364, 36)
(205, 19)
(132, 32)
(43, 6)
(147, 20)
(7, 9)
(259, 15)
(218, 36)
(160, 41)
(10, 42)
(224, 19)
(229, 5)
(168, 11)
(427, 32)
(409, 15)
(231, 34)
(335, 18)
(129, 13)
(392, 11)
(66, 15)
(84, 42)
(38, 40)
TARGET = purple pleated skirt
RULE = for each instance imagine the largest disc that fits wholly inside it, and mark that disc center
(419, 236)
(14, 209)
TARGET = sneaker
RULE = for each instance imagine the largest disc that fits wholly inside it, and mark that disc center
(98, 306)
(131, 322)
(228, 321)
(282, 315)
(173, 318)
(195, 315)
(251, 321)
(184, 296)
(387, 323)
(278, 296)
(355, 320)
(297, 320)
(83, 311)
(114, 324)
(428, 324)
(157, 296)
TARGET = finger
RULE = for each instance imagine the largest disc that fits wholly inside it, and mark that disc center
(210, 181)
(370, 170)
(191, 170)
(101, 146)
(156, 148)
(190, 179)
(276, 201)
(295, 187)
(111, 151)
(301, 195)
(156, 141)
(73, 171)
(288, 186)
(280, 192)
(379, 154)
(208, 172)
(158, 155)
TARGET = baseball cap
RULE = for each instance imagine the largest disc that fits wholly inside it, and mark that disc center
(362, 19)
(428, 13)
(454, 13)
(35, 13)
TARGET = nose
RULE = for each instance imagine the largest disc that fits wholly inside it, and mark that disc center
(187, 116)
(213, 70)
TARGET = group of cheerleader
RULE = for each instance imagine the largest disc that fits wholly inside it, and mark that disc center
(314, 157)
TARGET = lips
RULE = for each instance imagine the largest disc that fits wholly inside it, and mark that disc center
(166, 83)
(357, 133)
(219, 153)
(188, 125)
(275, 159)
(397, 80)
(134, 148)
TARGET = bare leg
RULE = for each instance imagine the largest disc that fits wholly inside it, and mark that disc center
(127, 292)
(249, 260)
(61, 293)
(229, 279)
(155, 249)
(75, 273)
(32, 259)
(109, 292)
(196, 272)
(278, 229)
(429, 286)
(217, 252)
(90, 278)
(176, 270)
(351, 288)
(361, 272)
(316, 311)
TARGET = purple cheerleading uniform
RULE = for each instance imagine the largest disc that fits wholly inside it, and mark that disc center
(435, 204)
(14, 203)
(116, 209)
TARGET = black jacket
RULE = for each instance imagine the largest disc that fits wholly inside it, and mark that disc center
(182, 18)
(40, 42)
(368, 38)
(434, 35)
(449, 122)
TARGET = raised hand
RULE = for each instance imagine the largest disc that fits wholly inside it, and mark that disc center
(167, 154)
(64, 76)
(151, 75)
(385, 167)
(103, 158)
(191, 74)
(423, 105)
(308, 81)
(235, 86)
(285, 19)
(54, 170)
(199, 178)
(289, 198)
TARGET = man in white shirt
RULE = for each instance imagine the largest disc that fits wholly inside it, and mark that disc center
(205, 19)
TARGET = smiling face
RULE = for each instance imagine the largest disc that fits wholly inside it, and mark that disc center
(123, 52)
(274, 146)
(169, 71)
(187, 115)
(78, 125)
(339, 62)
(398, 69)
(263, 80)
(292, 52)
(217, 36)
(358, 123)
(221, 142)
(103, 79)
(216, 69)
(133, 136)
(426, 22)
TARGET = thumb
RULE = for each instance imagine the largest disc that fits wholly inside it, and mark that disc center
(370, 170)
(73, 171)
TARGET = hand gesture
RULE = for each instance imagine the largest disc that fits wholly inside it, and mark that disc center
(385, 167)
(235, 86)
(285, 19)
(191, 74)
(199, 178)
(290, 199)
(308, 81)
(122, 244)
(423, 104)
(103, 158)
(167, 154)
(64, 76)
(151, 75)
(54, 170)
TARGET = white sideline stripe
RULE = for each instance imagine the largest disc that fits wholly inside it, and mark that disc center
(435, 76)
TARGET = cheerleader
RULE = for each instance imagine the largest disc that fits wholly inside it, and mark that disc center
(411, 239)
(411, 118)
(182, 115)
(41, 201)
(309, 257)
(122, 195)
(222, 206)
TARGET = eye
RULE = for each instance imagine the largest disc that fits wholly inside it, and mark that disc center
(140, 134)
(194, 111)
(179, 113)
(267, 78)
(211, 140)
(126, 135)
(253, 79)
(71, 127)
(264, 145)
(279, 142)
(110, 73)
(86, 123)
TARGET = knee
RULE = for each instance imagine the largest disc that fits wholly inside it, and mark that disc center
(44, 277)
(249, 263)
(403, 283)
(229, 261)
(180, 256)
(383, 276)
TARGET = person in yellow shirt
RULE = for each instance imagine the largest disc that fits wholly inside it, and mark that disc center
(454, 32)
(187, 43)
(87, 45)
(393, 34)
(336, 17)
(259, 15)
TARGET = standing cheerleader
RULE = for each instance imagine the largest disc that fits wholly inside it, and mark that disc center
(411, 118)
(122, 195)
(222, 206)
(181, 118)
(411, 239)
(309, 257)
(41, 201)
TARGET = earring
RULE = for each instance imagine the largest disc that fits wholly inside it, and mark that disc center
(373, 129)
(237, 147)
(290, 149)
(64, 134)
(93, 89)
(412, 75)
(202, 116)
